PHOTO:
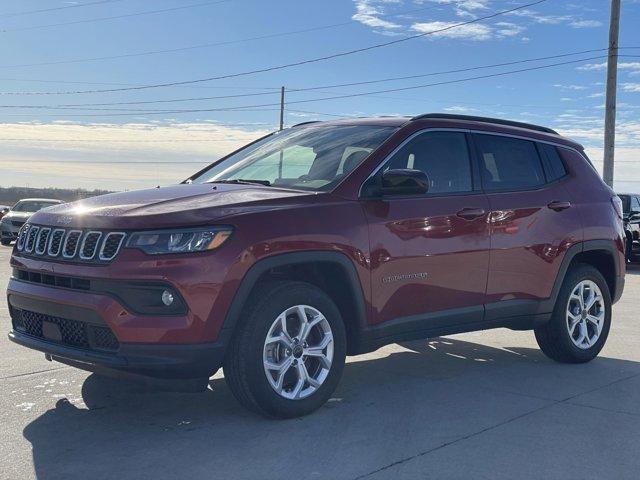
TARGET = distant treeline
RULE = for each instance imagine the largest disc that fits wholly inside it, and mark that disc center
(10, 195)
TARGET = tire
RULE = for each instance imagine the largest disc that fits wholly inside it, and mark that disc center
(5, 242)
(555, 339)
(249, 356)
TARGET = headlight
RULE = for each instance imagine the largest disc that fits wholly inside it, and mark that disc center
(179, 241)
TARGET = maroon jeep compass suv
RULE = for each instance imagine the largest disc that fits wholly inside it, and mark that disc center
(326, 240)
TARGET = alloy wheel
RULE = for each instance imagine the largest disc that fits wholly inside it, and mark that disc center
(298, 352)
(585, 314)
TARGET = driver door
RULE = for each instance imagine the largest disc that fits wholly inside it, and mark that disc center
(430, 253)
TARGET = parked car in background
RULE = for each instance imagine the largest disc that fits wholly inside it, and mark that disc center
(16, 217)
(631, 209)
(325, 240)
(3, 210)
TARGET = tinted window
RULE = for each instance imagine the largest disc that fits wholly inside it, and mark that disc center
(443, 156)
(626, 203)
(553, 166)
(29, 206)
(508, 163)
(635, 204)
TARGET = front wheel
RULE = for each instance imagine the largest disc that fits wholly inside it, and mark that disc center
(581, 319)
(5, 242)
(288, 352)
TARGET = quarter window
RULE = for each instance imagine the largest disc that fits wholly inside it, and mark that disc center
(443, 156)
(553, 166)
(508, 163)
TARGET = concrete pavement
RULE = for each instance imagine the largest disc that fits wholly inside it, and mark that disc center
(480, 405)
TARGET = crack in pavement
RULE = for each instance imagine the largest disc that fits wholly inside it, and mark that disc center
(492, 427)
(32, 373)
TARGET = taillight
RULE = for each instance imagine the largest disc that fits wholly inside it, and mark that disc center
(617, 205)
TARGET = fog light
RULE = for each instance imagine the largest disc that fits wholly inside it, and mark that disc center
(167, 298)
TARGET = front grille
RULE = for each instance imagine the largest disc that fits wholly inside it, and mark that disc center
(89, 245)
(32, 234)
(111, 245)
(76, 245)
(41, 243)
(68, 332)
(71, 243)
(105, 339)
(56, 242)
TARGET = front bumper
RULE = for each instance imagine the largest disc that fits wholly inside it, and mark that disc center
(171, 362)
(75, 334)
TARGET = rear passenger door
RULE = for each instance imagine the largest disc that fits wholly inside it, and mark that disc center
(532, 222)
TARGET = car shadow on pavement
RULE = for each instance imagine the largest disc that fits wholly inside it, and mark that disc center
(422, 396)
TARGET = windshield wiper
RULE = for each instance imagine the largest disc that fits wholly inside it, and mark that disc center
(266, 183)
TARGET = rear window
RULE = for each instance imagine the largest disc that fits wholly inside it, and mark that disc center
(508, 163)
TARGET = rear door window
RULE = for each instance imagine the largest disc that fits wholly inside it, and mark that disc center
(508, 163)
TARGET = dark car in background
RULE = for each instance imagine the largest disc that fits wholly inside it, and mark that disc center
(631, 209)
(325, 240)
(17, 216)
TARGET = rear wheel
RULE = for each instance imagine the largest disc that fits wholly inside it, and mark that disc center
(581, 319)
(287, 355)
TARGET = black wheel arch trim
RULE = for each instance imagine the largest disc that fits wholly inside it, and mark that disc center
(294, 258)
(588, 246)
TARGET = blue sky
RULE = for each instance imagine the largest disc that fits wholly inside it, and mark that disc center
(57, 147)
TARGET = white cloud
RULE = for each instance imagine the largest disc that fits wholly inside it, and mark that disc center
(508, 29)
(459, 109)
(368, 13)
(82, 155)
(569, 87)
(632, 66)
(474, 31)
(596, 95)
(585, 23)
(631, 87)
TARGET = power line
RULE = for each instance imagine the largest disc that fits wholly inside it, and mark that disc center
(295, 90)
(127, 15)
(17, 14)
(352, 95)
(293, 64)
(218, 44)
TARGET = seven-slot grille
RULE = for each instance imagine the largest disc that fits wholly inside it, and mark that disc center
(69, 244)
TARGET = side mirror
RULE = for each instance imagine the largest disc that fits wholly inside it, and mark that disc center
(404, 181)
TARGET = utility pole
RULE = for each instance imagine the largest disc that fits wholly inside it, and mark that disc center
(612, 80)
(282, 107)
(281, 127)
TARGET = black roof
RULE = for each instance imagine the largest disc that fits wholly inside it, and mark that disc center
(472, 118)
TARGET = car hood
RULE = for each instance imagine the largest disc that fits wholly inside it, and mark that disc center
(17, 215)
(179, 205)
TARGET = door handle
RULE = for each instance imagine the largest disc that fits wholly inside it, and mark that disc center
(559, 206)
(470, 213)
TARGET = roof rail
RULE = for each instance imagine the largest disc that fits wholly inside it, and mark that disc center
(498, 121)
(306, 123)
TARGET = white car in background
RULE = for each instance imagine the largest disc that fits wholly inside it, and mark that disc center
(19, 214)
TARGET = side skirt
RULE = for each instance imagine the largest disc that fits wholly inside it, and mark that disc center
(512, 314)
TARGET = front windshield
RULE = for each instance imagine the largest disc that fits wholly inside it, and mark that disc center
(307, 158)
(31, 206)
